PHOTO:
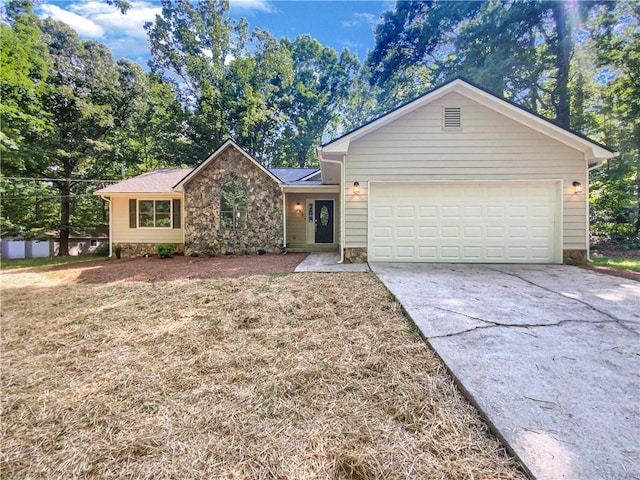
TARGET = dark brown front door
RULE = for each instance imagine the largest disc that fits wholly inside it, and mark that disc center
(324, 221)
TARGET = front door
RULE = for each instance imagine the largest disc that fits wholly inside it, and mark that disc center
(324, 221)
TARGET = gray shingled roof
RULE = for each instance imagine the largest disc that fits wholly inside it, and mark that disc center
(291, 175)
(158, 181)
(162, 181)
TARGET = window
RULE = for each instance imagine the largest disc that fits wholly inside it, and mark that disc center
(452, 118)
(94, 242)
(154, 213)
(233, 206)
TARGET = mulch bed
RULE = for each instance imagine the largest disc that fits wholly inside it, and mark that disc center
(155, 269)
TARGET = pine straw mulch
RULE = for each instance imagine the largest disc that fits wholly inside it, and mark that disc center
(300, 376)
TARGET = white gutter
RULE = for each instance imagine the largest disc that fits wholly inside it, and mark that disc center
(108, 200)
(342, 202)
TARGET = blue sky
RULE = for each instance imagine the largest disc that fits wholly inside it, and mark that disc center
(337, 24)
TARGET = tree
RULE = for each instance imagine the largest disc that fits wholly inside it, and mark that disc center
(317, 96)
(191, 47)
(615, 192)
(519, 49)
(23, 73)
(87, 97)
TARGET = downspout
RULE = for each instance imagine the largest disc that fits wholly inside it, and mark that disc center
(108, 200)
(342, 203)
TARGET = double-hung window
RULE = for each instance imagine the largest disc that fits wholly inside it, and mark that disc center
(154, 213)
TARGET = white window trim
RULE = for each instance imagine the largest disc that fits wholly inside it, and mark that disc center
(154, 200)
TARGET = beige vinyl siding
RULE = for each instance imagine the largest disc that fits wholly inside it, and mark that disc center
(297, 225)
(123, 234)
(489, 146)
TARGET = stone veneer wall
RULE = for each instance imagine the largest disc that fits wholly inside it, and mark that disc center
(202, 208)
(574, 257)
(355, 255)
(129, 250)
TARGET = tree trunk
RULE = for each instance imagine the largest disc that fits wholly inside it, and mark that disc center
(563, 58)
(65, 217)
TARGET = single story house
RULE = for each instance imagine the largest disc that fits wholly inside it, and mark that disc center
(456, 175)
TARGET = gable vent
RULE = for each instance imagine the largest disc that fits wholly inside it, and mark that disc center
(452, 117)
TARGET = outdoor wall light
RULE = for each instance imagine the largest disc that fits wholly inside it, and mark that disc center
(577, 186)
(298, 209)
(356, 187)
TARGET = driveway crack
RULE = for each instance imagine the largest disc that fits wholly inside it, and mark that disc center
(493, 324)
(613, 318)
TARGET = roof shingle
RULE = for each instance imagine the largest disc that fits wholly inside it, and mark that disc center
(158, 181)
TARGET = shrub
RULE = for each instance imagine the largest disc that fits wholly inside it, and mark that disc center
(102, 250)
(261, 251)
(165, 251)
(118, 250)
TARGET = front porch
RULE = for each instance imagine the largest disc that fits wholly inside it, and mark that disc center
(312, 219)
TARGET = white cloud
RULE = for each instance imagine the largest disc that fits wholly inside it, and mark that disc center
(359, 19)
(260, 5)
(84, 26)
(131, 23)
(123, 34)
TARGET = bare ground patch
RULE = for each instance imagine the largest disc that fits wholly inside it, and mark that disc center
(291, 377)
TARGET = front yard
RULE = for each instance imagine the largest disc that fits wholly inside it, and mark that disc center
(288, 376)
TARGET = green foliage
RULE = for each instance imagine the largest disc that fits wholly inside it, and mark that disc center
(46, 261)
(624, 263)
(165, 250)
(23, 73)
(102, 250)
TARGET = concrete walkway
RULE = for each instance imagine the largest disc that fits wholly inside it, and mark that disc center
(549, 354)
(328, 262)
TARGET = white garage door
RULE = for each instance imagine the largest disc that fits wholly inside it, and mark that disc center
(507, 222)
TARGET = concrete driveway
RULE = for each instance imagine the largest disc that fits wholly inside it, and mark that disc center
(549, 354)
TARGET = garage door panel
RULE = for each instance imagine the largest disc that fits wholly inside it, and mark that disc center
(405, 232)
(384, 212)
(472, 233)
(450, 211)
(428, 233)
(450, 232)
(464, 222)
(383, 232)
(428, 213)
(428, 253)
(405, 252)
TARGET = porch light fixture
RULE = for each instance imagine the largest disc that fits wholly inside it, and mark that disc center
(356, 187)
(577, 186)
(298, 209)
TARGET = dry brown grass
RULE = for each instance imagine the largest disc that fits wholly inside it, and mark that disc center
(283, 377)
